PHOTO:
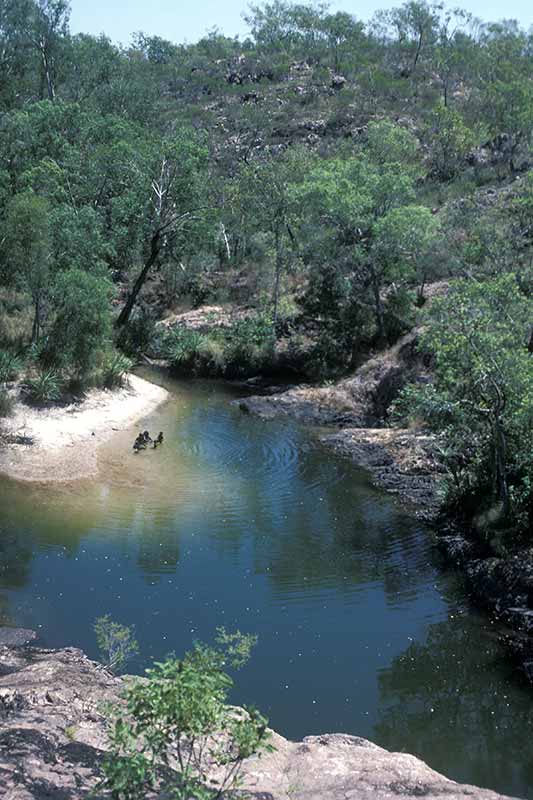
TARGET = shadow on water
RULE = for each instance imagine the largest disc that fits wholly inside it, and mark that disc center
(454, 699)
(253, 524)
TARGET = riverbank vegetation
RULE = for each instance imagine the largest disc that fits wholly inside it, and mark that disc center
(175, 727)
(322, 173)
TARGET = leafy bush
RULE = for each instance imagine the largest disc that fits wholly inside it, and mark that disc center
(10, 366)
(82, 323)
(238, 351)
(481, 400)
(138, 335)
(116, 642)
(249, 346)
(45, 387)
(328, 357)
(181, 347)
(114, 368)
(6, 404)
(182, 709)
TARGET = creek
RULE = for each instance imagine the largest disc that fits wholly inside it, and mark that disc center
(253, 524)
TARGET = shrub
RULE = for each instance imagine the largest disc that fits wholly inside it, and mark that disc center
(10, 366)
(83, 322)
(249, 346)
(238, 351)
(181, 347)
(481, 398)
(138, 335)
(114, 368)
(45, 387)
(211, 356)
(116, 642)
(327, 358)
(6, 403)
(182, 709)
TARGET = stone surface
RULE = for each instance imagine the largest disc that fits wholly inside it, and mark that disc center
(53, 736)
(401, 461)
(16, 636)
(359, 401)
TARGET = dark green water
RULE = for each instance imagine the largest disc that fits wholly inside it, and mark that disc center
(252, 524)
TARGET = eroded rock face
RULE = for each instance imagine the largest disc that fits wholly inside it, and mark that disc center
(403, 462)
(53, 736)
(400, 461)
(52, 729)
(341, 767)
(359, 401)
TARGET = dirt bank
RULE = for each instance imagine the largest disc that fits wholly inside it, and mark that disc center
(60, 442)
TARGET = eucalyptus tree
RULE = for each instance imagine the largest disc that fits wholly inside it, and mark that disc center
(27, 252)
(264, 191)
(455, 53)
(47, 27)
(412, 30)
(354, 201)
(482, 394)
(171, 197)
(40, 26)
(506, 82)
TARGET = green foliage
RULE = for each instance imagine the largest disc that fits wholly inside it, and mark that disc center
(26, 248)
(482, 396)
(138, 335)
(114, 368)
(181, 709)
(7, 403)
(116, 642)
(450, 142)
(45, 387)
(82, 324)
(10, 366)
(181, 346)
(239, 350)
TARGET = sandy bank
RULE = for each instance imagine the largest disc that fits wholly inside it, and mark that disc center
(60, 443)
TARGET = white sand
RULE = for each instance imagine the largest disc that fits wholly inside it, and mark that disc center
(65, 439)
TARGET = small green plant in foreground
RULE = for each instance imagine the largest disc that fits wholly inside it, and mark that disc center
(177, 734)
(116, 642)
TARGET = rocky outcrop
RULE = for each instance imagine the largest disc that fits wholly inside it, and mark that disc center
(207, 318)
(361, 400)
(401, 461)
(53, 736)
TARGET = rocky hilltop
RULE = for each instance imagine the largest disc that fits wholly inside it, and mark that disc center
(53, 735)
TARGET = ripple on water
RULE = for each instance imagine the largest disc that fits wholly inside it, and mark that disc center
(255, 526)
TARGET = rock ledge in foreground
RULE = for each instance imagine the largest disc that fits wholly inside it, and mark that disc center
(52, 737)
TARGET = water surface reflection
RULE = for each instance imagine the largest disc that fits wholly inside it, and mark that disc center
(252, 524)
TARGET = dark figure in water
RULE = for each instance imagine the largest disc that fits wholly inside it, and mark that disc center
(139, 443)
(146, 436)
(159, 439)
